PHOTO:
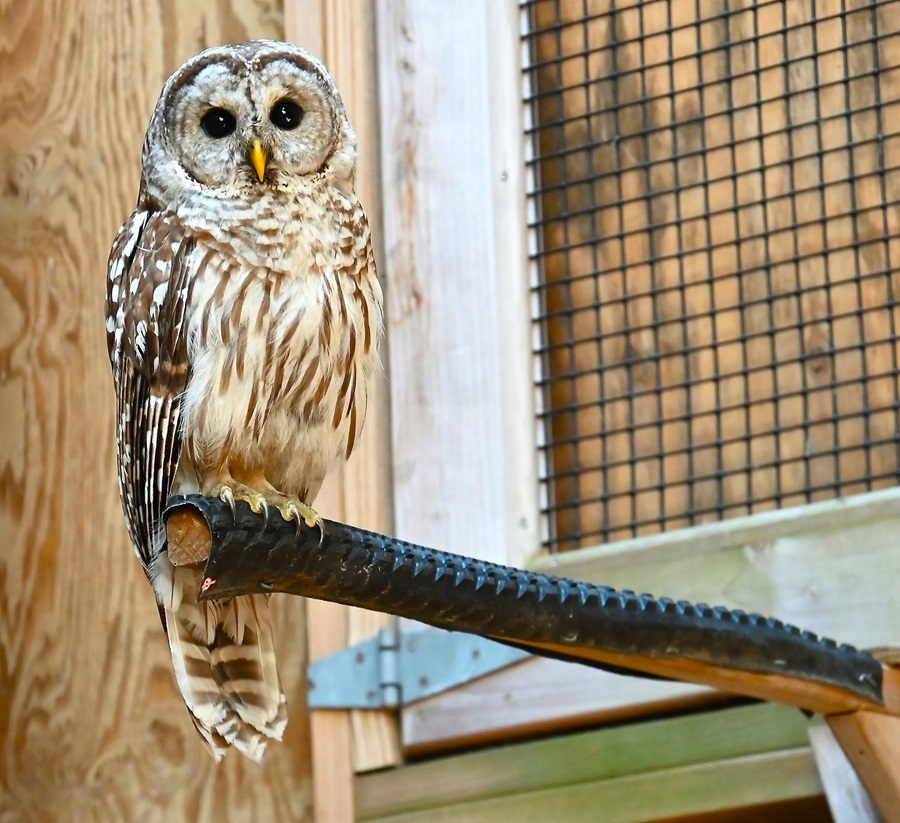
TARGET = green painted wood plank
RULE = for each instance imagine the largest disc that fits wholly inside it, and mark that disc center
(573, 759)
(681, 791)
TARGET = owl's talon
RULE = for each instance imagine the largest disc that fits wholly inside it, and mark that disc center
(226, 495)
(257, 502)
(298, 511)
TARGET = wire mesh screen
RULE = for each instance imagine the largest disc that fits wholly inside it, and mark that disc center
(716, 215)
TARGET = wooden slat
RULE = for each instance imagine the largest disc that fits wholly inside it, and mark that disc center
(872, 743)
(93, 725)
(332, 758)
(349, 32)
(454, 447)
(848, 800)
(513, 277)
(828, 567)
(341, 32)
(713, 760)
(535, 697)
(689, 791)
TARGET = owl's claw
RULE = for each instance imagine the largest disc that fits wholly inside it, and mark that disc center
(226, 495)
(260, 503)
(297, 511)
(257, 502)
(265, 512)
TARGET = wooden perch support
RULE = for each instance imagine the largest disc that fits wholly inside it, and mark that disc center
(742, 653)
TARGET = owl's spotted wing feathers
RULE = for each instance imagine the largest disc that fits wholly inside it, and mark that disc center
(223, 653)
(146, 302)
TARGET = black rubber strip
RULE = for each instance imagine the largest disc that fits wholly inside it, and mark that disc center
(361, 568)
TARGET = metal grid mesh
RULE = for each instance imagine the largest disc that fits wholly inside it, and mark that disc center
(716, 222)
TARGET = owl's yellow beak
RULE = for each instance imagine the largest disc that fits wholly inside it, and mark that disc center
(258, 159)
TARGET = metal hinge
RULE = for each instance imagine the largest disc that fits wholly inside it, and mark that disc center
(394, 669)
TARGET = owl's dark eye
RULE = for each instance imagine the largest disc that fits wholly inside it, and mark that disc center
(218, 123)
(286, 114)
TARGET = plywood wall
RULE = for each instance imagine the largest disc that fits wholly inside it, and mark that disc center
(91, 725)
(720, 229)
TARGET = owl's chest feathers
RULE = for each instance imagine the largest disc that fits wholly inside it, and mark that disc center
(286, 232)
(280, 360)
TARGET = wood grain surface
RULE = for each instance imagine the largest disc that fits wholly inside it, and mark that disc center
(91, 725)
(722, 308)
(447, 402)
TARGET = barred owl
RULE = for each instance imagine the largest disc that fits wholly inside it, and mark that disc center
(243, 316)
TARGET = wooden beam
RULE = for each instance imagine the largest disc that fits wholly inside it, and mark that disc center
(848, 800)
(463, 446)
(515, 275)
(758, 781)
(332, 765)
(341, 32)
(872, 743)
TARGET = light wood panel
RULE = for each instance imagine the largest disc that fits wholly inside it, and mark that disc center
(91, 724)
(539, 696)
(461, 430)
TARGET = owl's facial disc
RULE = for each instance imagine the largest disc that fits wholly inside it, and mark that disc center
(244, 127)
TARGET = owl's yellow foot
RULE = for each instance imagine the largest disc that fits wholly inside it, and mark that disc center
(296, 510)
(237, 491)
(290, 507)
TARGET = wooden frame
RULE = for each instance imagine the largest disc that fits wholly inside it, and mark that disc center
(342, 33)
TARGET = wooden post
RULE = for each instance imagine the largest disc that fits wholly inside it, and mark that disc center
(458, 313)
(848, 800)
(872, 743)
(341, 33)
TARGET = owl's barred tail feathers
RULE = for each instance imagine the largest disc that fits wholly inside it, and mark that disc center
(224, 658)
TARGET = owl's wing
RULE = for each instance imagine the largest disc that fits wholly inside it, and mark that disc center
(146, 307)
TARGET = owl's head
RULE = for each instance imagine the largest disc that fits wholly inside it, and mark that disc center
(235, 121)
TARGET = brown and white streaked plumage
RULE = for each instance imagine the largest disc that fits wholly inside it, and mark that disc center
(243, 317)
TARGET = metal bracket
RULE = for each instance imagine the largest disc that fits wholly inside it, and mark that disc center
(394, 669)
